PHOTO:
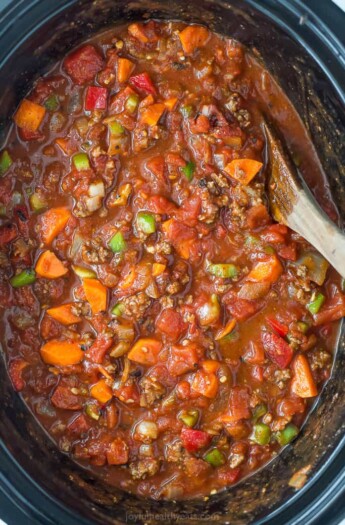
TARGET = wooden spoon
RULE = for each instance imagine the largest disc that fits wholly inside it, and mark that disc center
(292, 204)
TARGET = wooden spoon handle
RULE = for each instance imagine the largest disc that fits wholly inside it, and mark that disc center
(307, 219)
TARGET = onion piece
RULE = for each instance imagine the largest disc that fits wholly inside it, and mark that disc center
(96, 189)
(77, 243)
(93, 203)
(146, 431)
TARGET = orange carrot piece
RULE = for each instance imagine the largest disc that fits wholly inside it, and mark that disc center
(101, 391)
(266, 271)
(96, 295)
(145, 351)
(157, 269)
(49, 266)
(61, 353)
(67, 147)
(128, 280)
(152, 114)
(136, 31)
(124, 69)
(210, 365)
(193, 37)
(228, 328)
(303, 384)
(170, 103)
(243, 170)
(29, 115)
(52, 222)
(64, 314)
(205, 384)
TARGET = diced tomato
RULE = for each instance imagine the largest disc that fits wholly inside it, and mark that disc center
(156, 166)
(50, 328)
(242, 309)
(205, 384)
(290, 406)
(193, 440)
(199, 125)
(228, 476)
(128, 394)
(64, 398)
(333, 310)
(99, 348)
(118, 452)
(288, 252)
(257, 216)
(96, 98)
(238, 405)
(181, 236)
(174, 159)
(277, 349)
(275, 233)
(183, 359)
(183, 390)
(190, 210)
(83, 64)
(8, 232)
(27, 135)
(78, 425)
(160, 204)
(254, 354)
(278, 327)
(15, 371)
(143, 83)
(171, 323)
(257, 373)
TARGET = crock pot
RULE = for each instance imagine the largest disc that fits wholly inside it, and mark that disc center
(38, 484)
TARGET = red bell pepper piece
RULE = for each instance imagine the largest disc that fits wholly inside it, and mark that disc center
(194, 440)
(96, 98)
(277, 349)
(144, 83)
(278, 327)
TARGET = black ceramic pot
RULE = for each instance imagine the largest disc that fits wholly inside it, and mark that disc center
(40, 485)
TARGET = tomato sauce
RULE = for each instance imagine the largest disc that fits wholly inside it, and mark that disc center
(163, 329)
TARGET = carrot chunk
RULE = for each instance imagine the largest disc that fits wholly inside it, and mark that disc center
(49, 266)
(268, 271)
(152, 114)
(238, 407)
(193, 37)
(137, 31)
(303, 384)
(64, 314)
(52, 222)
(96, 295)
(158, 269)
(61, 353)
(170, 103)
(124, 69)
(29, 115)
(101, 391)
(243, 170)
(228, 328)
(145, 351)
